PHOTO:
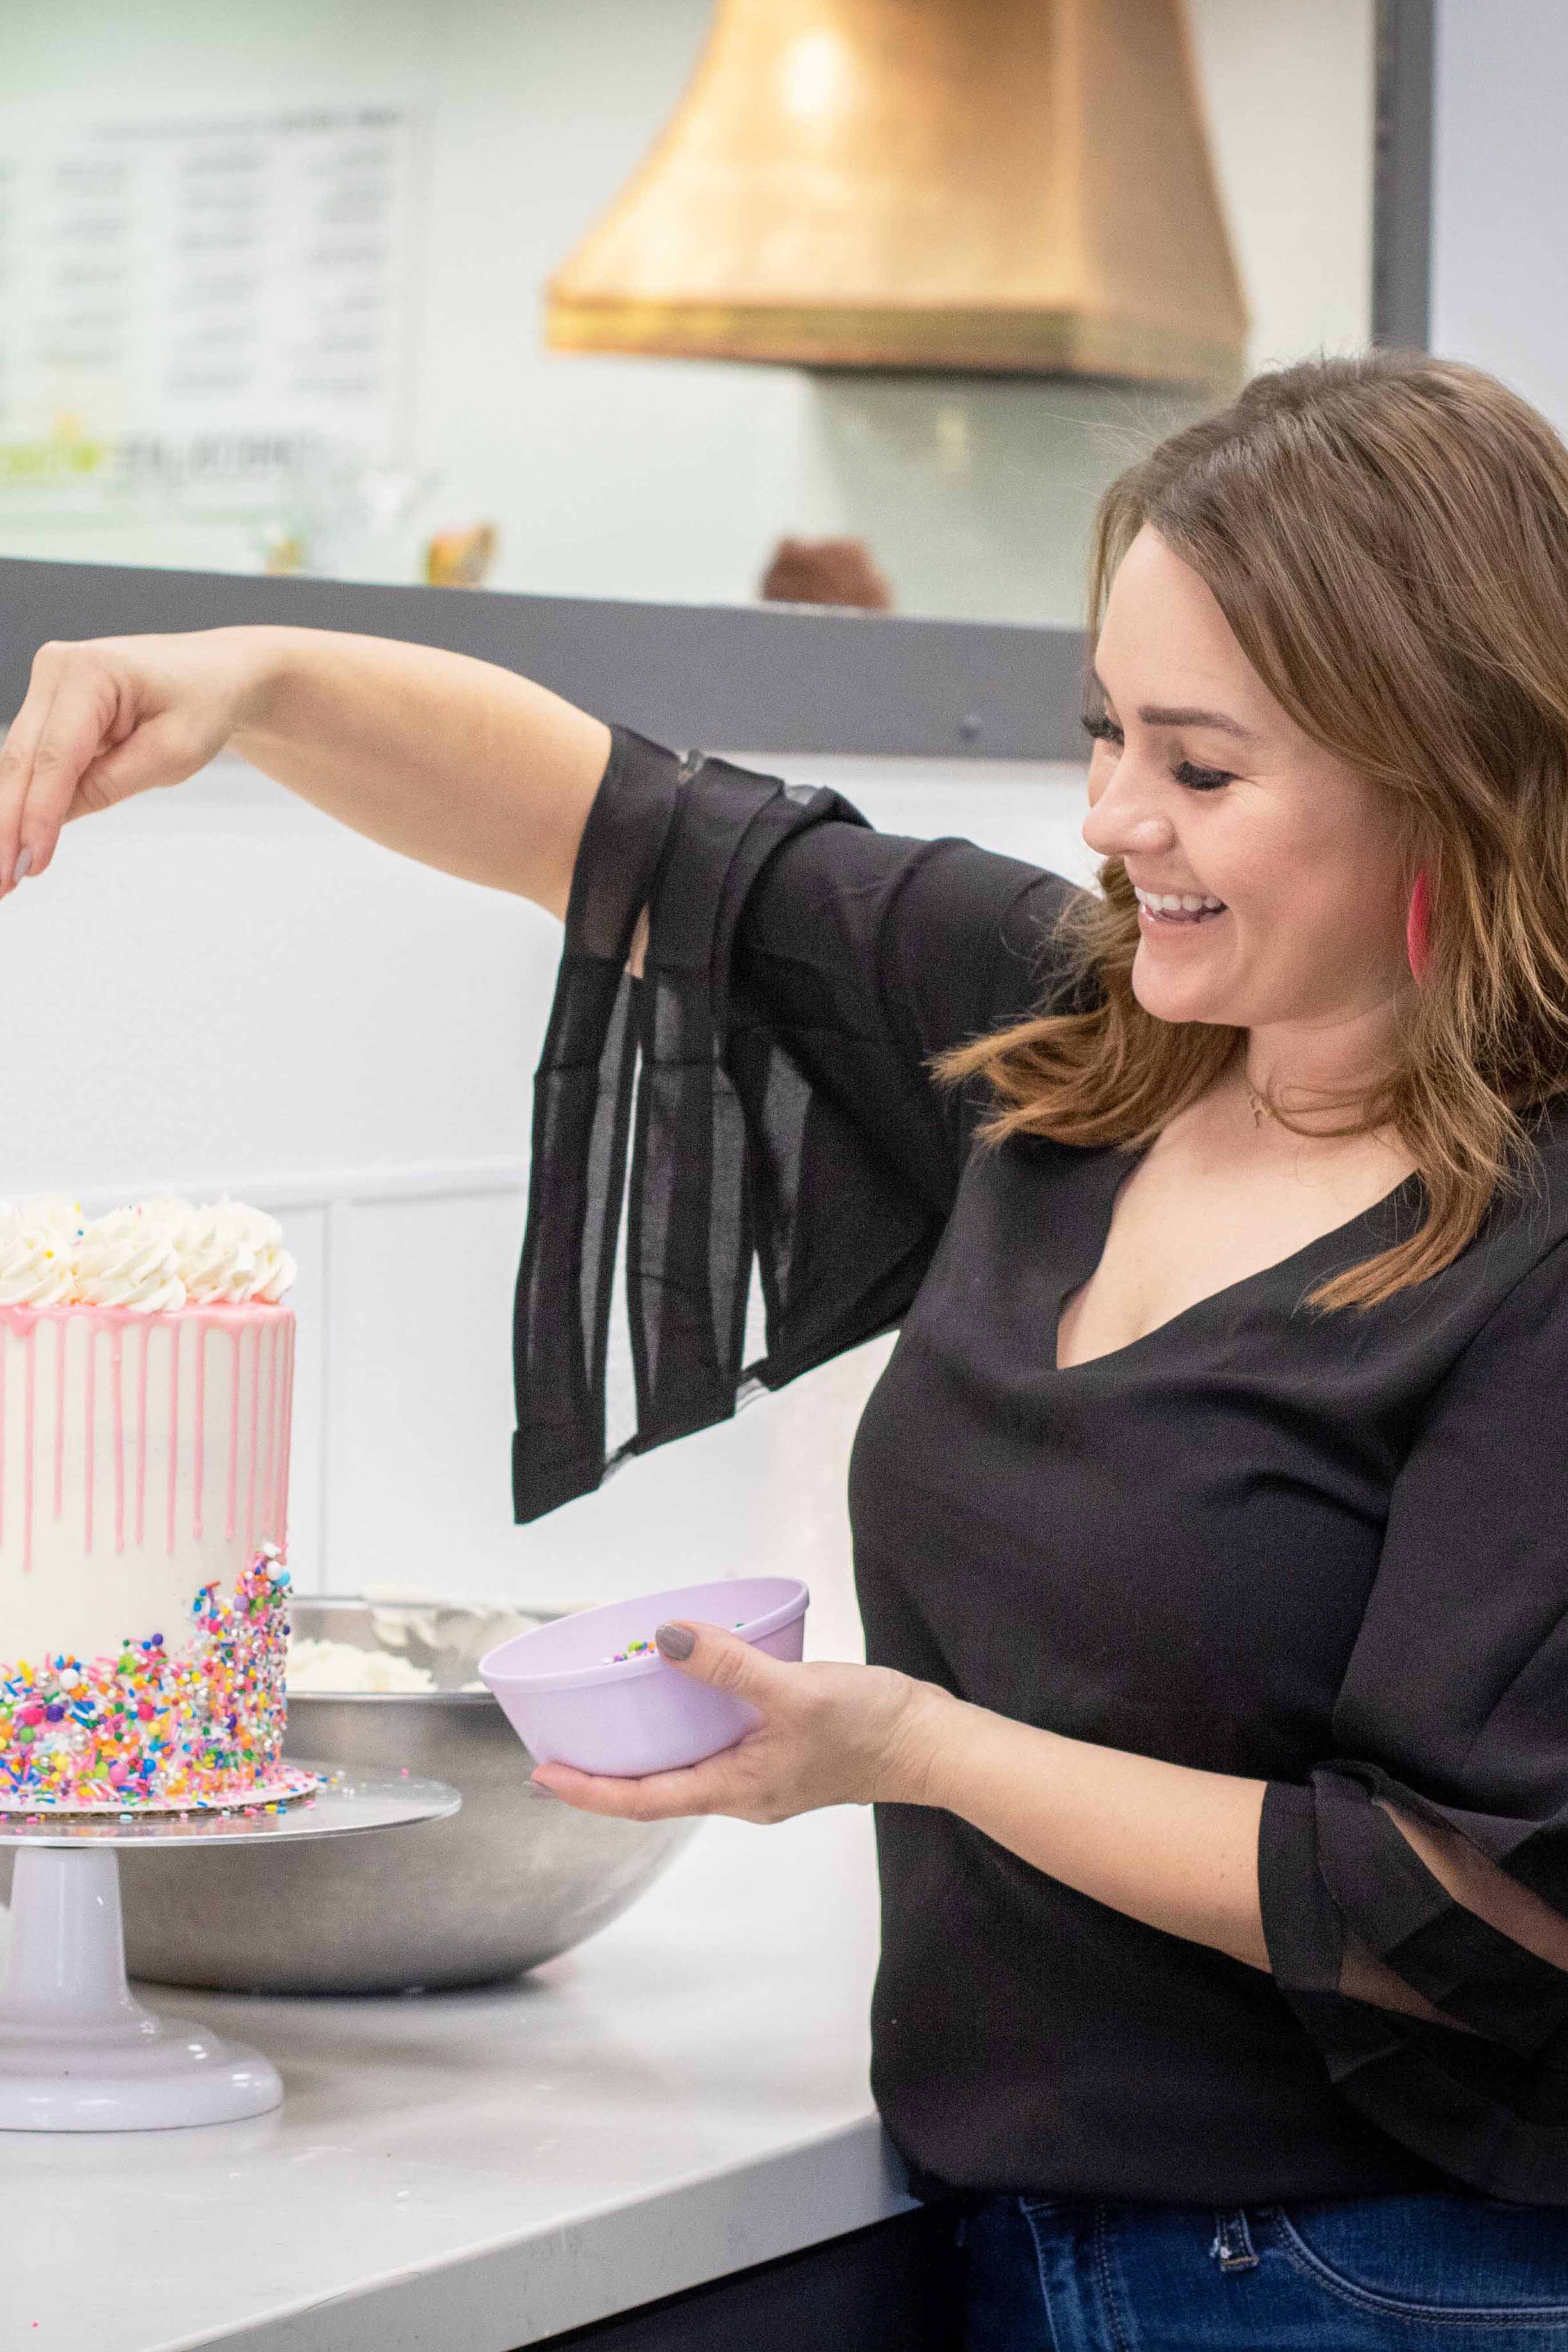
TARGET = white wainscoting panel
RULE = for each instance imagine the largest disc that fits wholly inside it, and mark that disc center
(420, 1417)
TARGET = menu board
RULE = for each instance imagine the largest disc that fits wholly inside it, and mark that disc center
(191, 307)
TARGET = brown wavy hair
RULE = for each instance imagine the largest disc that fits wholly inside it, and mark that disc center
(1387, 537)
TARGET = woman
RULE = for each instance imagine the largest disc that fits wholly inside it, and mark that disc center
(1208, 1517)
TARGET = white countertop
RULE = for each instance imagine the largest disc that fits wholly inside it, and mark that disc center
(683, 2097)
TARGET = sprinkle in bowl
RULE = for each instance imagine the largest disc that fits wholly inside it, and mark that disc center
(580, 1691)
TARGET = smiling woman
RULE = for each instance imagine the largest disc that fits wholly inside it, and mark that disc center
(1208, 1513)
(1270, 887)
(1232, 1265)
(1352, 588)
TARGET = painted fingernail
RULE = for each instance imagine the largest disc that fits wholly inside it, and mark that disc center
(23, 865)
(675, 1641)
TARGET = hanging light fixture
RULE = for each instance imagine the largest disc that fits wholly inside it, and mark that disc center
(1012, 187)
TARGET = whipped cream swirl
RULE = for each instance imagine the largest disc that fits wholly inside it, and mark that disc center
(123, 1261)
(224, 1252)
(37, 1253)
(151, 1258)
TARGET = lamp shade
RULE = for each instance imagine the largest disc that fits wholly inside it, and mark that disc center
(1011, 187)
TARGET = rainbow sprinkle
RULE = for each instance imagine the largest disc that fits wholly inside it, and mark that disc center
(194, 1727)
(644, 1650)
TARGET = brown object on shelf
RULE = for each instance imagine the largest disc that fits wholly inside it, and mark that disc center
(461, 559)
(825, 571)
(1009, 186)
(285, 555)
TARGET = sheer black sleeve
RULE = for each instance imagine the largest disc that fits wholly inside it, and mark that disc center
(766, 1084)
(1453, 1714)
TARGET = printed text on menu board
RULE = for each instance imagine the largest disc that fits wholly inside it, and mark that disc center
(189, 303)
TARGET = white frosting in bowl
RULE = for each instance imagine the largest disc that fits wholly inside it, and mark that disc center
(151, 1257)
(335, 1667)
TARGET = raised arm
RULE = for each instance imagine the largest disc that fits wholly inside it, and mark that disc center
(450, 761)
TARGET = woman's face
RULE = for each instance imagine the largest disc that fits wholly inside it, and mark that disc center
(1271, 884)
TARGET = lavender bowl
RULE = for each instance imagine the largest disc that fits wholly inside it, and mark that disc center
(572, 1699)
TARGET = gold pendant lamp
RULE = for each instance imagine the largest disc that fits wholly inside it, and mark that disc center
(1019, 188)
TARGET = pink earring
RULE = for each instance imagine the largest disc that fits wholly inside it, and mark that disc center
(1417, 939)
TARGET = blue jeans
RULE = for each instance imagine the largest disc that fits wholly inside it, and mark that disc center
(1356, 2275)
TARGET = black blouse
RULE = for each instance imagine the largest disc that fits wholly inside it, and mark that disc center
(1328, 1552)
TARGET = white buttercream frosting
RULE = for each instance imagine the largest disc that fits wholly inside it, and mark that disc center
(37, 1267)
(317, 1666)
(151, 1258)
(123, 1260)
(225, 1252)
(52, 1213)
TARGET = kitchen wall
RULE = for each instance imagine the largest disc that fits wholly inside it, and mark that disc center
(216, 988)
(660, 479)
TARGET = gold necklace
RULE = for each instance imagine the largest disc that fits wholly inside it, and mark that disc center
(1255, 1102)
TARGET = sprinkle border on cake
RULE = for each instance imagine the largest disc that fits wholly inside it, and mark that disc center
(193, 1728)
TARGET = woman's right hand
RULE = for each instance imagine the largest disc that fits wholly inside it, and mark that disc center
(455, 762)
(110, 716)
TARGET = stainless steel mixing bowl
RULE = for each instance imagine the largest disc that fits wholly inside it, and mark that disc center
(514, 1879)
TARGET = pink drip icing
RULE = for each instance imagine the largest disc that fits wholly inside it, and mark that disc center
(255, 1449)
(265, 1499)
(200, 1426)
(59, 1415)
(115, 1355)
(234, 1440)
(285, 1448)
(269, 1477)
(89, 1435)
(30, 1341)
(142, 1435)
(174, 1424)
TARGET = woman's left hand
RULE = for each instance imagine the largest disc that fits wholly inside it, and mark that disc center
(829, 1735)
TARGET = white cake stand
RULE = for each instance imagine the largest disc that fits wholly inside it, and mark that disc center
(77, 2051)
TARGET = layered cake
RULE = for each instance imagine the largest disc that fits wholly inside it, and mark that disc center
(146, 1375)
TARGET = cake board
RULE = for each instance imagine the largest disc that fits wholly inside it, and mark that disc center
(77, 2051)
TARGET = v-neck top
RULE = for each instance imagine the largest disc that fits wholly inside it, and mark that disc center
(1325, 1550)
